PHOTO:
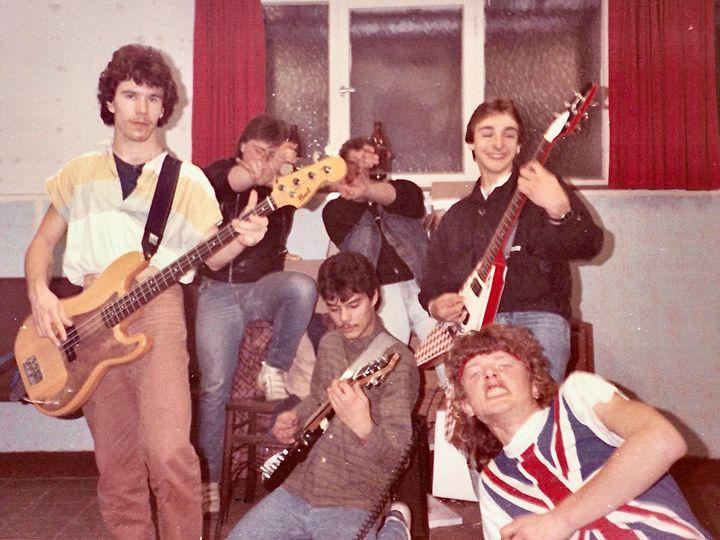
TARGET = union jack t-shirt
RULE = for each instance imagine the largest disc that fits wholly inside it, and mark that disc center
(557, 451)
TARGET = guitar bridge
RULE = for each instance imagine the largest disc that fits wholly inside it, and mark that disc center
(31, 367)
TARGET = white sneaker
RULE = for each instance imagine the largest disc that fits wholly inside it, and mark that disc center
(210, 497)
(271, 381)
(399, 511)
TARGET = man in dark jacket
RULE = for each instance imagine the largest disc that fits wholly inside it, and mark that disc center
(554, 228)
(252, 287)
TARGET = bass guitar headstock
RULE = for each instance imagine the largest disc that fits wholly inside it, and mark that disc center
(568, 120)
(298, 187)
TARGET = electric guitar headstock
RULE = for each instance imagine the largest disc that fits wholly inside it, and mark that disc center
(298, 187)
(376, 370)
(569, 119)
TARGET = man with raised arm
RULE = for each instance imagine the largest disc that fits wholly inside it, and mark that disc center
(253, 287)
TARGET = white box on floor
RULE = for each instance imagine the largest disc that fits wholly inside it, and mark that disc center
(451, 475)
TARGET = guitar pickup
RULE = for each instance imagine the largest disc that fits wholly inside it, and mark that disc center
(72, 341)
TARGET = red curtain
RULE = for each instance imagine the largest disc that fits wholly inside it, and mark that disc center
(228, 74)
(663, 109)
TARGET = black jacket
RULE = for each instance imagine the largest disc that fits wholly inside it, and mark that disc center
(538, 270)
(269, 254)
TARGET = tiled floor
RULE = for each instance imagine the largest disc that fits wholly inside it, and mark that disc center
(66, 508)
(44, 508)
(49, 508)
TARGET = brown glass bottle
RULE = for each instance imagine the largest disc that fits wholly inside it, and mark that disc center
(380, 142)
(294, 137)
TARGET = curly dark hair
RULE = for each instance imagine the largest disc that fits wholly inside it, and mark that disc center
(356, 143)
(488, 108)
(345, 274)
(141, 64)
(467, 433)
(263, 128)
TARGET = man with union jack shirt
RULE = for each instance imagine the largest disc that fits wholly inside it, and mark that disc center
(580, 461)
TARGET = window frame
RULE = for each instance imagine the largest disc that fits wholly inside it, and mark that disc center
(473, 75)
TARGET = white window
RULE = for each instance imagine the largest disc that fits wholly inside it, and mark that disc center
(422, 66)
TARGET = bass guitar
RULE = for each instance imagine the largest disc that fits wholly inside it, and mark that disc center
(58, 380)
(483, 288)
(279, 466)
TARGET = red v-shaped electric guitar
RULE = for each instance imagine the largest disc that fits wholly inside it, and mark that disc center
(483, 287)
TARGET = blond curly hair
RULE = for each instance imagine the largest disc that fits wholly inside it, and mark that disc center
(473, 438)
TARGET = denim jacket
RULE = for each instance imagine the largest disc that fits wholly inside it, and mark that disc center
(406, 235)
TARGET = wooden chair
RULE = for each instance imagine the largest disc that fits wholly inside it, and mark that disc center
(247, 421)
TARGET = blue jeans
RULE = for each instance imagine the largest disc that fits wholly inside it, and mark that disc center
(552, 332)
(287, 299)
(282, 515)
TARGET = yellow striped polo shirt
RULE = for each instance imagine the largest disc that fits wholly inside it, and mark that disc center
(102, 226)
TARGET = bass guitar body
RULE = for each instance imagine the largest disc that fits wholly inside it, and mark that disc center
(59, 380)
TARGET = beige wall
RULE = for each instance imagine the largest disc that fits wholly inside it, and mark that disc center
(52, 53)
(654, 300)
(652, 296)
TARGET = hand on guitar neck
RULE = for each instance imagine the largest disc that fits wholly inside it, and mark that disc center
(350, 404)
(352, 407)
(543, 189)
(249, 231)
(286, 426)
(448, 307)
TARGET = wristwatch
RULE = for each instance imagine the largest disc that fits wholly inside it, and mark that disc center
(562, 219)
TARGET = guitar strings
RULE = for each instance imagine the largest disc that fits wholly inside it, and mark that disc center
(128, 302)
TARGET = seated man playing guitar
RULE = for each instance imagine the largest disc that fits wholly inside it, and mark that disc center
(343, 482)
(578, 461)
(554, 228)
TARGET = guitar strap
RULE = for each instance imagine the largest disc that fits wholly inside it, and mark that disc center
(160, 207)
(373, 351)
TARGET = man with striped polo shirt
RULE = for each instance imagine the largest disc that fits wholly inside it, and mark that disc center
(139, 414)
